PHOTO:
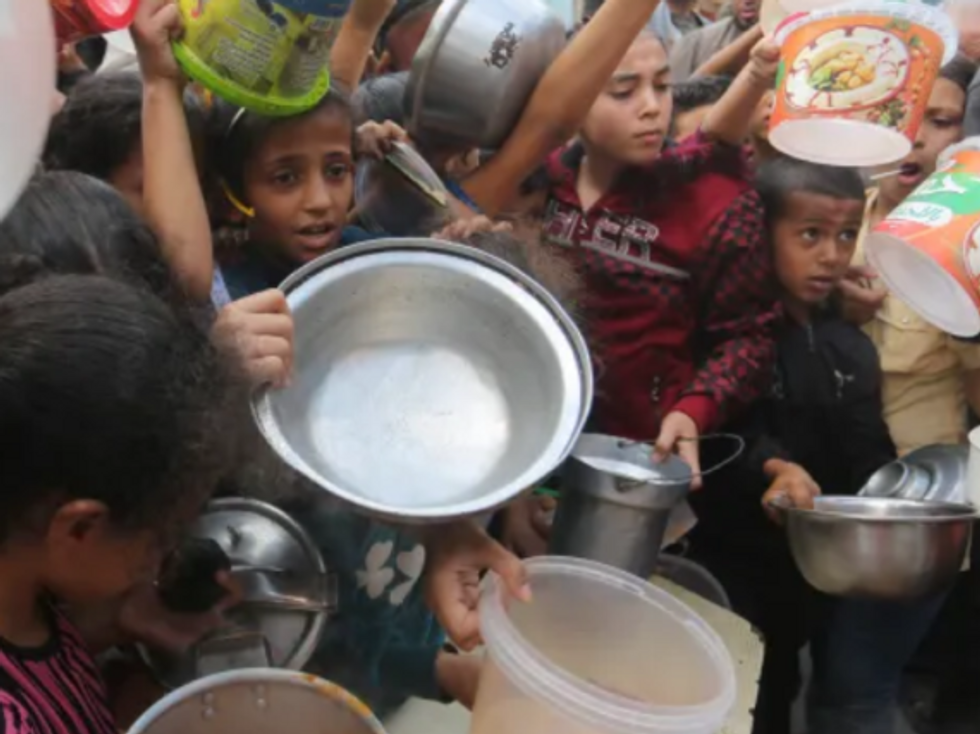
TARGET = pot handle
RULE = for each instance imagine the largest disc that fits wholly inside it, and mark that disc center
(735, 438)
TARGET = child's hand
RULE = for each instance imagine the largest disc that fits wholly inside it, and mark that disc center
(791, 484)
(260, 328)
(375, 138)
(459, 676)
(144, 618)
(463, 229)
(862, 296)
(679, 434)
(157, 24)
(764, 62)
(457, 555)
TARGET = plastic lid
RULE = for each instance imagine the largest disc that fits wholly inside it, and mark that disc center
(605, 624)
(835, 141)
(923, 285)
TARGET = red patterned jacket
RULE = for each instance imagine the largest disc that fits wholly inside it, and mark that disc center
(679, 286)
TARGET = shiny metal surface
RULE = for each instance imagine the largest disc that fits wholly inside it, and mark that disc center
(432, 380)
(283, 612)
(476, 67)
(261, 701)
(932, 473)
(388, 202)
(616, 503)
(879, 548)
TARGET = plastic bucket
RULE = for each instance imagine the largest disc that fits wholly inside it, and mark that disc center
(854, 80)
(598, 651)
(259, 701)
(928, 249)
(77, 19)
(269, 57)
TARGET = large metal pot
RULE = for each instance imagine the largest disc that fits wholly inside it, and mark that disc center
(258, 702)
(476, 67)
(880, 548)
(432, 380)
(287, 595)
(616, 503)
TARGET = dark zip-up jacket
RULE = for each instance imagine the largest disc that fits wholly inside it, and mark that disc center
(823, 411)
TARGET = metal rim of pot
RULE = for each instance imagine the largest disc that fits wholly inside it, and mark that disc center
(263, 414)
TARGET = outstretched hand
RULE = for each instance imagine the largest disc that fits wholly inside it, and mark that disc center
(457, 556)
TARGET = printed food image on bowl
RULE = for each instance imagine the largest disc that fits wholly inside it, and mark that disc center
(848, 69)
(971, 254)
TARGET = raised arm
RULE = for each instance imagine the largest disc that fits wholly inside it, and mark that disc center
(172, 199)
(730, 120)
(360, 28)
(560, 102)
(731, 59)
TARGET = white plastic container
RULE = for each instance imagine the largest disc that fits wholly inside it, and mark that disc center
(598, 651)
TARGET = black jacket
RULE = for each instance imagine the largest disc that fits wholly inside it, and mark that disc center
(823, 411)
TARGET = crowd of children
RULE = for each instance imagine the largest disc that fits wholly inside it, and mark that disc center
(721, 286)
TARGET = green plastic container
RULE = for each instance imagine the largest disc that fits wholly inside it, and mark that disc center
(268, 57)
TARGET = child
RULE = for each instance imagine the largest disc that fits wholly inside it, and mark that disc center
(99, 132)
(692, 100)
(112, 434)
(672, 243)
(819, 428)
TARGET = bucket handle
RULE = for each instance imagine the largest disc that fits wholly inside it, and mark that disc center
(739, 449)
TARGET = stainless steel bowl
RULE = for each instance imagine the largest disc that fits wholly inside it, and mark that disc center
(877, 547)
(476, 67)
(431, 381)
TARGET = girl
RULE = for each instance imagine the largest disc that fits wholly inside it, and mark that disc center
(109, 438)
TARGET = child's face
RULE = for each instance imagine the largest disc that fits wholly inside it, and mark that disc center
(813, 243)
(300, 183)
(941, 127)
(629, 121)
(688, 123)
(87, 558)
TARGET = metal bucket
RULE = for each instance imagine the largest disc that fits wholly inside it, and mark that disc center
(616, 503)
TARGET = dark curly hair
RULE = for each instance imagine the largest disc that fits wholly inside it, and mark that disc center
(107, 393)
(101, 124)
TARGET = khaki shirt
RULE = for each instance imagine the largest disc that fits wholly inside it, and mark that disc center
(695, 48)
(923, 371)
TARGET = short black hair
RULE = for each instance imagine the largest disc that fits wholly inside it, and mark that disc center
(782, 176)
(233, 134)
(699, 92)
(101, 124)
(960, 71)
(381, 98)
(106, 393)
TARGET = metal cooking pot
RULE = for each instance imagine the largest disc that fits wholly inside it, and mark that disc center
(258, 702)
(931, 473)
(877, 547)
(432, 380)
(476, 68)
(288, 595)
(616, 503)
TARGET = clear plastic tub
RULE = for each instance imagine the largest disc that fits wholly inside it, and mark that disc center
(598, 651)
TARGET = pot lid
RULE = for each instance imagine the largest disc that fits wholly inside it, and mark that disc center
(287, 594)
(631, 460)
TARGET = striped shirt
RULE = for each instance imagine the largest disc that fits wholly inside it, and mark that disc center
(52, 689)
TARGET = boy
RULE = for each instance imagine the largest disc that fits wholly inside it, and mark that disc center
(819, 428)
